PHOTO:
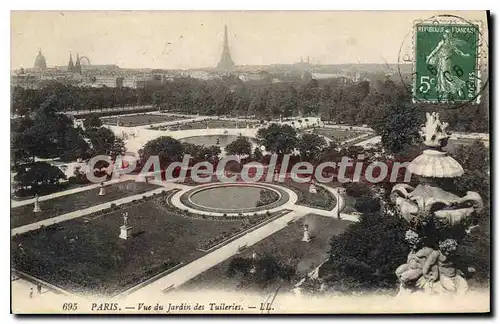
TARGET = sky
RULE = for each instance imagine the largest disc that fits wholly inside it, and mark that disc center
(193, 39)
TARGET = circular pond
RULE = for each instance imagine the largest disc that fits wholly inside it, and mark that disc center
(234, 198)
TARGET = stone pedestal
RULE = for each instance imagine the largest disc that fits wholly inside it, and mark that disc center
(125, 232)
(37, 208)
(307, 236)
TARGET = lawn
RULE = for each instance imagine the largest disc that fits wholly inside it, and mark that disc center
(231, 200)
(285, 245)
(338, 135)
(139, 119)
(21, 195)
(61, 205)
(87, 255)
(211, 123)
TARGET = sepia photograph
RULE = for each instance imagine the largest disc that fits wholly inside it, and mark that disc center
(250, 162)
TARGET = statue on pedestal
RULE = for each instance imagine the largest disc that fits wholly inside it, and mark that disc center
(253, 269)
(437, 219)
(312, 188)
(307, 236)
(102, 191)
(37, 208)
(125, 229)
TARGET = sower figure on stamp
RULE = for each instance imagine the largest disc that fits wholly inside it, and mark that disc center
(447, 82)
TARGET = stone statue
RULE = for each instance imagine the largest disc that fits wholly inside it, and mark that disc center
(433, 214)
(37, 208)
(307, 236)
(125, 219)
(125, 229)
(434, 132)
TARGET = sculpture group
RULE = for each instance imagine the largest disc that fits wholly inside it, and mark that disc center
(437, 219)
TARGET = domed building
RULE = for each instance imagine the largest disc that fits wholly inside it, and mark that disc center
(40, 62)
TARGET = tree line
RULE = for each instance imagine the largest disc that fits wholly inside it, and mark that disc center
(333, 99)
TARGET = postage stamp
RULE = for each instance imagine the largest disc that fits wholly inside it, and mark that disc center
(447, 62)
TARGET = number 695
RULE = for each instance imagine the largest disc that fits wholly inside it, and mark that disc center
(70, 306)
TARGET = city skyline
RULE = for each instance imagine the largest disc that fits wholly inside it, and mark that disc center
(190, 40)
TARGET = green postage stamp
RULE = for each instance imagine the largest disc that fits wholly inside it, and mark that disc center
(447, 62)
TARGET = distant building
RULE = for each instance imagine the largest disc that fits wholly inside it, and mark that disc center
(302, 66)
(26, 81)
(252, 76)
(78, 66)
(40, 63)
(99, 81)
(71, 65)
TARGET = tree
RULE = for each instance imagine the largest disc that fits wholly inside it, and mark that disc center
(367, 205)
(201, 153)
(310, 146)
(105, 142)
(366, 255)
(240, 146)
(278, 139)
(38, 175)
(257, 154)
(167, 148)
(268, 270)
(92, 121)
(53, 133)
(329, 153)
(474, 251)
(22, 145)
(399, 129)
(74, 146)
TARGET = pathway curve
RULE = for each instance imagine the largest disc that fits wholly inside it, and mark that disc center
(290, 204)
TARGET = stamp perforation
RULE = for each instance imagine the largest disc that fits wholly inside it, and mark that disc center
(451, 20)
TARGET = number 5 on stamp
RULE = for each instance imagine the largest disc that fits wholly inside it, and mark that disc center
(447, 63)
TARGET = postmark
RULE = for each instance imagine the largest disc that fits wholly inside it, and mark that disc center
(446, 54)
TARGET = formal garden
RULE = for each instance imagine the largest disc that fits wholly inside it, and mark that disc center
(65, 204)
(139, 119)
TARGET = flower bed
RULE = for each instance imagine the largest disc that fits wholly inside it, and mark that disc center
(253, 222)
(322, 199)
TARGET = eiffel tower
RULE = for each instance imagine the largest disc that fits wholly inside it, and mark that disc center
(226, 62)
